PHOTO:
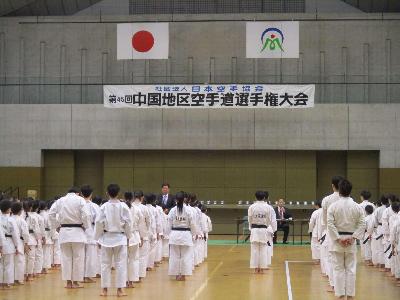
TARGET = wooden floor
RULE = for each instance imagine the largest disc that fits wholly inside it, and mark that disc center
(226, 276)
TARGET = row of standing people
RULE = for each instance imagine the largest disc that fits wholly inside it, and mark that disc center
(335, 225)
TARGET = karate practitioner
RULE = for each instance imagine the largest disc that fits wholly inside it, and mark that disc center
(392, 223)
(113, 228)
(47, 237)
(313, 229)
(134, 241)
(386, 215)
(10, 244)
(346, 223)
(208, 223)
(70, 215)
(149, 199)
(91, 256)
(181, 229)
(364, 197)
(366, 241)
(34, 236)
(144, 229)
(55, 251)
(38, 267)
(326, 242)
(165, 239)
(262, 223)
(395, 241)
(19, 259)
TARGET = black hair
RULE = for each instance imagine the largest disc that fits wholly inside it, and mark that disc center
(35, 205)
(165, 184)
(27, 205)
(103, 201)
(318, 203)
(86, 190)
(138, 194)
(266, 194)
(385, 200)
(369, 209)
(113, 190)
(335, 181)
(203, 208)
(365, 194)
(42, 206)
(179, 197)
(5, 205)
(128, 196)
(97, 200)
(16, 208)
(50, 203)
(345, 188)
(74, 190)
(260, 195)
(192, 199)
(396, 206)
(149, 198)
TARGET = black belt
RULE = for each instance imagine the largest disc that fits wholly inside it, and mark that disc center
(180, 229)
(30, 230)
(113, 232)
(93, 223)
(258, 226)
(345, 233)
(21, 238)
(8, 235)
(72, 225)
(380, 224)
(47, 229)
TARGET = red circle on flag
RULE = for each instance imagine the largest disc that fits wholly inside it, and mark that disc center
(142, 41)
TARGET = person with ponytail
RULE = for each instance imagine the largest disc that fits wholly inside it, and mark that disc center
(38, 268)
(34, 235)
(182, 228)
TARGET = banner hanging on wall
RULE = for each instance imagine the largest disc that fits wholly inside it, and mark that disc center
(209, 96)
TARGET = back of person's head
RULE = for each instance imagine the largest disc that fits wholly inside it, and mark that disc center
(366, 195)
(16, 208)
(97, 200)
(149, 198)
(385, 200)
(27, 205)
(113, 190)
(203, 208)
(396, 206)
(179, 197)
(86, 191)
(128, 196)
(335, 181)
(74, 190)
(345, 188)
(42, 205)
(266, 193)
(260, 195)
(35, 205)
(369, 209)
(318, 203)
(138, 194)
(5, 205)
(192, 199)
(103, 201)
(50, 203)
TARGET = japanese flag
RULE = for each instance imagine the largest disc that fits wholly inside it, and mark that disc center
(142, 41)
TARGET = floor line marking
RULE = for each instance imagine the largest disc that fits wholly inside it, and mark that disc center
(203, 286)
(288, 281)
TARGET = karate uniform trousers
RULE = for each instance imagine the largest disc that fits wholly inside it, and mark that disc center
(119, 253)
(315, 248)
(344, 272)
(7, 263)
(133, 262)
(367, 250)
(91, 261)
(56, 253)
(260, 256)
(165, 247)
(180, 260)
(30, 255)
(152, 253)
(159, 250)
(72, 261)
(47, 256)
(38, 258)
(19, 263)
(143, 258)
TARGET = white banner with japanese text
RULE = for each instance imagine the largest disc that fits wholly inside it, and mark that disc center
(209, 96)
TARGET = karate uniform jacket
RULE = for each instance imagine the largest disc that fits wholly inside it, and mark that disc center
(10, 228)
(181, 220)
(261, 213)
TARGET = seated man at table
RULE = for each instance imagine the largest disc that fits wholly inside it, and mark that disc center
(282, 216)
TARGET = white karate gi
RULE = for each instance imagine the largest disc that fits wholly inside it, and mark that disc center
(9, 247)
(376, 232)
(113, 228)
(208, 229)
(197, 243)
(261, 214)
(160, 231)
(144, 229)
(392, 225)
(34, 236)
(386, 215)
(313, 229)
(326, 245)
(66, 211)
(369, 219)
(37, 269)
(19, 259)
(56, 251)
(395, 240)
(48, 245)
(133, 244)
(91, 257)
(181, 229)
(345, 219)
(165, 239)
(154, 229)
(364, 204)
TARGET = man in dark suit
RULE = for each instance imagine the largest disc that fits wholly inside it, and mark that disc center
(165, 199)
(282, 215)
